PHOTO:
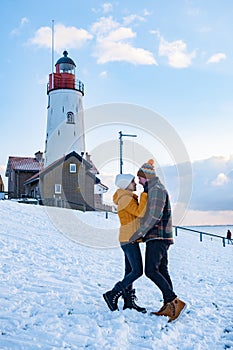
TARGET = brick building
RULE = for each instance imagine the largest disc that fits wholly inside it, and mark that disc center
(20, 169)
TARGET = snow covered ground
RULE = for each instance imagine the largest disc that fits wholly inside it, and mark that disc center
(52, 283)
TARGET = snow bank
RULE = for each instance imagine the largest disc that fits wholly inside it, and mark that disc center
(52, 286)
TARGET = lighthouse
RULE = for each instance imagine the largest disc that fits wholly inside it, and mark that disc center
(65, 121)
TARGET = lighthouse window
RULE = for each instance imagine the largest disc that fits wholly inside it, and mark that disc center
(72, 168)
(57, 189)
(70, 118)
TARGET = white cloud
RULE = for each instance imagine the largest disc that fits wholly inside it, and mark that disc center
(104, 74)
(111, 51)
(212, 188)
(176, 52)
(104, 26)
(155, 32)
(136, 18)
(112, 44)
(64, 37)
(212, 184)
(42, 37)
(217, 58)
(112, 41)
(104, 8)
(131, 18)
(121, 33)
(220, 180)
(146, 12)
(23, 21)
(107, 7)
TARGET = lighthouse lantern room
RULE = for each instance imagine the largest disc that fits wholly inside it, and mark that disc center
(65, 121)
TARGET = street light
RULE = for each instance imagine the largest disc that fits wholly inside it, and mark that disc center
(121, 146)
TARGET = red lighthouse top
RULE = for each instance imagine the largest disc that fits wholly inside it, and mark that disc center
(64, 78)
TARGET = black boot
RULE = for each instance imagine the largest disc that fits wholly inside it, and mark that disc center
(111, 297)
(129, 302)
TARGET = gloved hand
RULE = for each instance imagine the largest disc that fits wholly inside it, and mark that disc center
(146, 187)
(136, 236)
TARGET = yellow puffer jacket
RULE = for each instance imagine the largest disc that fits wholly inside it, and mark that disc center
(129, 212)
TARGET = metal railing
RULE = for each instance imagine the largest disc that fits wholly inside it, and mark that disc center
(201, 234)
(67, 84)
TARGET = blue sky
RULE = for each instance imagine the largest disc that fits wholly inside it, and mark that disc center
(172, 57)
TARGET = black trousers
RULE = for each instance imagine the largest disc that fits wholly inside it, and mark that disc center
(156, 268)
(133, 264)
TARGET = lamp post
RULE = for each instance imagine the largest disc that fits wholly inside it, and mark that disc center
(121, 146)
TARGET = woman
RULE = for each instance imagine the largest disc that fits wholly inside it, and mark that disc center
(129, 212)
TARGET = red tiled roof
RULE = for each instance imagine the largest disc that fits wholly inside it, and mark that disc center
(24, 164)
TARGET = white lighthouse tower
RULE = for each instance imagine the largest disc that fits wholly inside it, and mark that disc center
(65, 124)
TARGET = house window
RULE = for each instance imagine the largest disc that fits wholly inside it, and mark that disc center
(70, 118)
(57, 189)
(72, 168)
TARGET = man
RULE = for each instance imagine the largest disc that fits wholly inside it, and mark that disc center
(156, 231)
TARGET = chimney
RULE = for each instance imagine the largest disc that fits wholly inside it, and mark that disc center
(39, 156)
(88, 157)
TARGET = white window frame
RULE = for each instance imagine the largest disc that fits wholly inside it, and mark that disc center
(73, 168)
(57, 189)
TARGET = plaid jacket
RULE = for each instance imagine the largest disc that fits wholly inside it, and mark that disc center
(157, 222)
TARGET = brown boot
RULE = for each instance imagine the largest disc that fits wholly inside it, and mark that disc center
(173, 309)
(177, 307)
(164, 309)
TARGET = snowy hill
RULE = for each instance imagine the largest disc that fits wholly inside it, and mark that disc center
(56, 265)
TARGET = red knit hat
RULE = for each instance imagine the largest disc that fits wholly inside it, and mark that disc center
(147, 170)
